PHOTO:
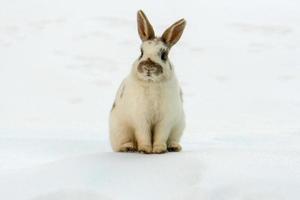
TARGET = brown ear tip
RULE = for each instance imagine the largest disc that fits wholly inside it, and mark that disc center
(139, 12)
(183, 21)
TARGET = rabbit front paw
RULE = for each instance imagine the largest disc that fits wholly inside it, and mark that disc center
(128, 147)
(145, 149)
(159, 148)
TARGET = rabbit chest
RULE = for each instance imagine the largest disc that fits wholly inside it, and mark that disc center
(152, 102)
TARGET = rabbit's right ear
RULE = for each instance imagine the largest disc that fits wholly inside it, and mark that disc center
(145, 29)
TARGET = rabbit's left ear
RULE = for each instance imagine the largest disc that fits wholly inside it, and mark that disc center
(174, 32)
(145, 29)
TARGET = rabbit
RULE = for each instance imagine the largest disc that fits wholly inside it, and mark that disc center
(147, 115)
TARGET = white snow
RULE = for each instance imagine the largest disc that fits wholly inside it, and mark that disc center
(61, 63)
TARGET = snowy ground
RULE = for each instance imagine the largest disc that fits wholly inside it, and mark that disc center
(62, 61)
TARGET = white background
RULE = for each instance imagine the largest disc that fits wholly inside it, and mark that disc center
(61, 63)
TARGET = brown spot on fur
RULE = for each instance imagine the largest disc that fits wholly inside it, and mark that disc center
(149, 65)
(160, 39)
(122, 91)
(181, 95)
(113, 106)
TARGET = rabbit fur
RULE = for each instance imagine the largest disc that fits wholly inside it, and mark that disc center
(147, 115)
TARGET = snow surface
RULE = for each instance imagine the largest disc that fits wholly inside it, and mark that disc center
(61, 63)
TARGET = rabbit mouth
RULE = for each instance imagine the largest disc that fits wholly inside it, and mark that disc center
(149, 76)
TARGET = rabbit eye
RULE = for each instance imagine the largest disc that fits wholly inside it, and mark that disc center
(164, 55)
(142, 53)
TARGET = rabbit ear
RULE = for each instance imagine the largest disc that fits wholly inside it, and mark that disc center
(145, 29)
(174, 32)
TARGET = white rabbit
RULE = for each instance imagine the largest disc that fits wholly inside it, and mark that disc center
(147, 115)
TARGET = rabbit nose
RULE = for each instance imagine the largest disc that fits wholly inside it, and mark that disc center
(149, 68)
